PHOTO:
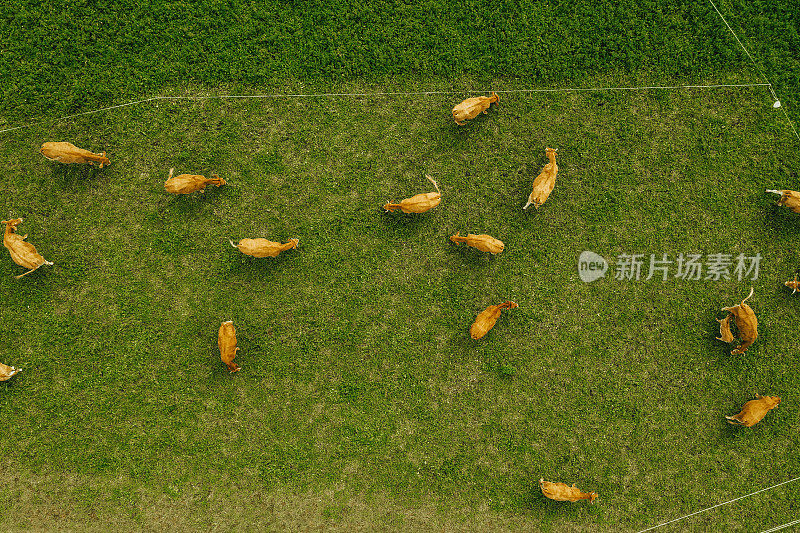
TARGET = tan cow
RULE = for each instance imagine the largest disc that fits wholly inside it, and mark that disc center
(263, 248)
(188, 183)
(7, 372)
(484, 243)
(227, 345)
(23, 253)
(754, 410)
(564, 493)
(545, 182)
(725, 329)
(65, 152)
(472, 107)
(487, 318)
(418, 203)
(790, 199)
(746, 325)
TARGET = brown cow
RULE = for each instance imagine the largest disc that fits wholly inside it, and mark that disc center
(790, 199)
(794, 285)
(545, 182)
(6, 372)
(564, 493)
(188, 183)
(419, 203)
(227, 345)
(484, 243)
(725, 329)
(65, 152)
(23, 253)
(746, 325)
(754, 410)
(488, 318)
(472, 107)
(263, 248)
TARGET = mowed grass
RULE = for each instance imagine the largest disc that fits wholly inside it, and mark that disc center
(362, 401)
(69, 57)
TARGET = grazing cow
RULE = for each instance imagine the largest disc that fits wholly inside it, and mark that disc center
(564, 493)
(484, 243)
(264, 248)
(227, 345)
(790, 199)
(545, 182)
(746, 325)
(487, 319)
(23, 253)
(754, 410)
(6, 372)
(472, 107)
(65, 152)
(725, 329)
(188, 183)
(418, 203)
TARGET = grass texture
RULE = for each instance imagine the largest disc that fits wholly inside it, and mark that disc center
(67, 57)
(362, 402)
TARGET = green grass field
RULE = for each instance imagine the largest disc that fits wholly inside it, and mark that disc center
(362, 403)
(67, 57)
(362, 399)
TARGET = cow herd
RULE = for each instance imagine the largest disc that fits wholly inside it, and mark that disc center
(25, 254)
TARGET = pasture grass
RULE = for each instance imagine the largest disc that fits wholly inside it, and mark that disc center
(362, 402)
(61, 58)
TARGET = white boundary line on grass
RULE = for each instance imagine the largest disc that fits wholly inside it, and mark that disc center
(778, 528)
(421, 93)
(745, 49)
(721, 504)
(771, 89)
